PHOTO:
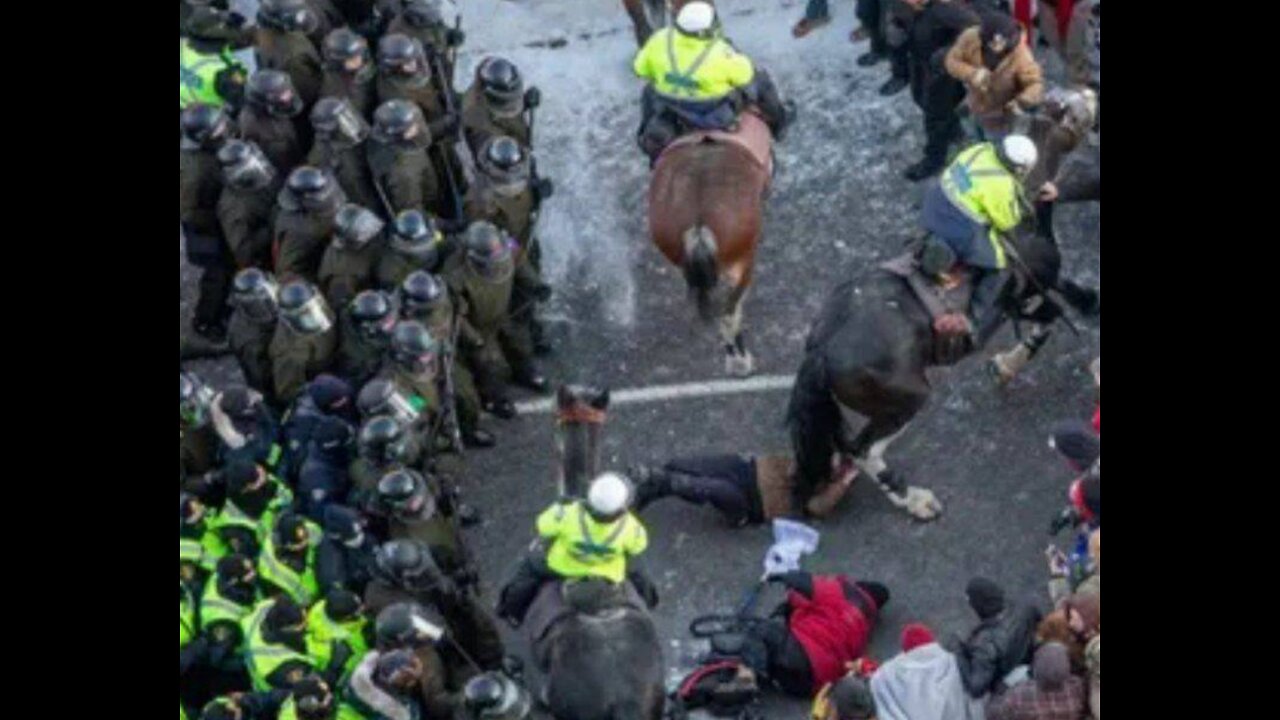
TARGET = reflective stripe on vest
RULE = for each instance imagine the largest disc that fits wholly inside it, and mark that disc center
(958, 179)
(589, 552)
(685, 80)
(197, 75)
(262, 658)
(216, 608)
(301, 587)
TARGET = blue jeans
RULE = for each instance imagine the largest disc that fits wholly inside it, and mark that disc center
(817, 10)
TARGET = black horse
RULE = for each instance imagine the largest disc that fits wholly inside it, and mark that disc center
(862, 379)
(593, 640)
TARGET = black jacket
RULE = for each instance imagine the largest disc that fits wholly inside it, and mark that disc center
(995, 647)
(340, 566)
(935, 30)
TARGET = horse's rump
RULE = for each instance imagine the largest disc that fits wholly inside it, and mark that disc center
(752, 135)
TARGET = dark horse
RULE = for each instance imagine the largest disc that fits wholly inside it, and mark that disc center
(706, 215)
(593, 640)
(862, 379)
(649, 15)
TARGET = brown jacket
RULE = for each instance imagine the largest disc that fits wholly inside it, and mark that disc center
(1017, 77)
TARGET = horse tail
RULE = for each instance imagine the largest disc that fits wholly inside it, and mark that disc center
(701, 270)
(813, 418)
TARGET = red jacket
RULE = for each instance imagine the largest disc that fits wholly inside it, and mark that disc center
(832, 630)
(1097, 420)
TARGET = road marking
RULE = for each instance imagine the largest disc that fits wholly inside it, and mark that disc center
(657, 393)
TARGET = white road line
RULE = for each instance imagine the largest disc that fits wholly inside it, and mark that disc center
(656, 393)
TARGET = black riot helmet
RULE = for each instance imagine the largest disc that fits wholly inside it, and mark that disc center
(303, 309)
(503, 161)
(245, 166)
(382, 440)
(287, 15)
(502, 86)
(405, 494)
(408, 563)
(416, 235)
(414, 349)
(381, 397)
(419, 294)
(254, 293)
(373, 313)
(487, 251)
(401, 55)
(273, 92)
(354, 226)
(335, 120)
(397, 121)
(310, 188)
(205, 125)
(423, 13)
(406, 625)
(494, 696)
(347, 51)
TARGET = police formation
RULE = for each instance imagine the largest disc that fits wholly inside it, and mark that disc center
(367, 246)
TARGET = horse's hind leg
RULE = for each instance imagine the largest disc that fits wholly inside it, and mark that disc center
(1005, 366)
(738, 360)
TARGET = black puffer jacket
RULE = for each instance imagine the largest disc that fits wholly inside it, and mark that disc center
(996, 646)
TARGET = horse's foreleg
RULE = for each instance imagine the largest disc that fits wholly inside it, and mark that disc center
(919, 502)
(1006, 365)
(738, 360)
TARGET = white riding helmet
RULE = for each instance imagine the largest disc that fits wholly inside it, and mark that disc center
(608, 496)
(1018, 153)
(696, 17)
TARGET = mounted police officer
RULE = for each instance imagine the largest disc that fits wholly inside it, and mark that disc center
(975, 202)
(340, 133)
(349, 70)
(247, 203)
(698, 81)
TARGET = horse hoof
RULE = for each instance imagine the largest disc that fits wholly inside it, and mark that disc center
(739, 365)
(922, 504)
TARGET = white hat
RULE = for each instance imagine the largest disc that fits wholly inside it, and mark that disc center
(696, 17)
(1019, 152)
(609, 495)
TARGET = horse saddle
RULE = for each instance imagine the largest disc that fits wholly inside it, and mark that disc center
(751, 134)
(559, 599)
(938, 300)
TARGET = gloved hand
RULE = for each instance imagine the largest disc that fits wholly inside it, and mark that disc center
(543, 189)
(453, 37)
(532, 97)
(980, 79)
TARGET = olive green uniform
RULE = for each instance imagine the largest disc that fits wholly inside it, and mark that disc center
(246, 217)
(294, 54)
(479, 123)
(344, 273)
(405, 173)
(250, 340)
(277, 137)
(348, 165)
(296, 358)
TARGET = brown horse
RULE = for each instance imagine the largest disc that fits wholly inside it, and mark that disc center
(706, 203)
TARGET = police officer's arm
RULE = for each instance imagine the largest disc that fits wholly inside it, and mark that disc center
(404, 191)
(468, 336)
(1002, 206)
(331, 566)
(964, 59)
(637, 539)
(289, 374)
(737, 68)
(551, 522)
(642, 65)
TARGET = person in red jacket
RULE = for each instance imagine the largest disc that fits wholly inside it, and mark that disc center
(823, 625)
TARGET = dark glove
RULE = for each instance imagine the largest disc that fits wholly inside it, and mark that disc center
(453, 37)
(543, 189)
(643, 585)
(532, 97)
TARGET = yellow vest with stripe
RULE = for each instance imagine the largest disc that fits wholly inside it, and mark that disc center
(216, 608)
(980, 186)
(261, 657)
(198, 74)
(232, 516)
(303, 588)
(581, 547)
(322, 632)
(205, 552)
(690, 68)
(186, 618)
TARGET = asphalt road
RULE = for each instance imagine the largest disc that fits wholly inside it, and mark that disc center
(620, 318)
